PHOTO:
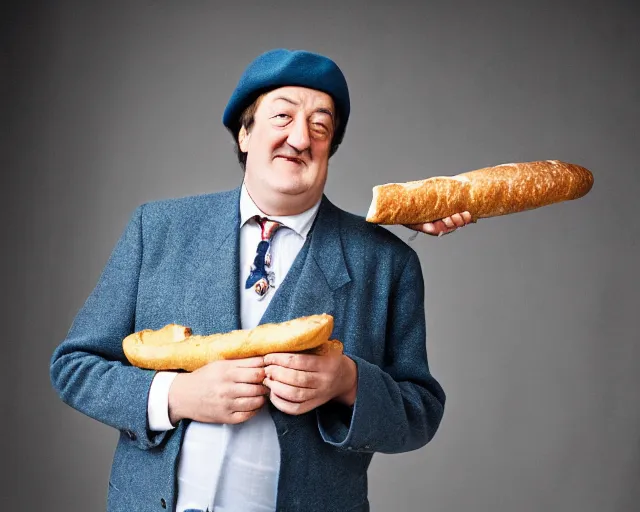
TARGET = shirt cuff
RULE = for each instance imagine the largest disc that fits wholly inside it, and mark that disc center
(158, 404)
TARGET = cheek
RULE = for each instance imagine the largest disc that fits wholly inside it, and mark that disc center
(265, 141)
(321, 171)
(321, 153)
(274, 139)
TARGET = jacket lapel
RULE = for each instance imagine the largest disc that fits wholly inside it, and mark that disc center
(318, 270)
(212, 300)
(308, 289)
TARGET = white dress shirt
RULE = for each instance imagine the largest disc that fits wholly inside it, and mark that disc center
(228, 468)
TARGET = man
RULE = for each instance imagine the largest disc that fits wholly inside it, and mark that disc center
(285, 432)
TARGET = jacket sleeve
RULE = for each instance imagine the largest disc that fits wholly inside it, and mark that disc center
(89, 369)
(398, 405)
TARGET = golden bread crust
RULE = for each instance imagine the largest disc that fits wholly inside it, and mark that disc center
(174, 347)
(488, 192)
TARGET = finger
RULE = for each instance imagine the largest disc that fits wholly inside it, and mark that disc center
(436, 227)
(249, 362)
(247, 404)
(426, 227)
(297, 378)
(290, 407)
(248, 390)
(289, 393)
(248, 375)
(466, 216)
(443, 225)
(304, 362)
(240, 417)
(429, 228)
(457, 220)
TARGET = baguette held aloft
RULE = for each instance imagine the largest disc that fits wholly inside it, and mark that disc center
(488, 192)
(175, 348)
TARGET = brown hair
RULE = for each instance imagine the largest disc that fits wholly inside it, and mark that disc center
(246, 120)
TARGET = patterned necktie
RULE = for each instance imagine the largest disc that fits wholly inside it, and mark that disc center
(260, 278)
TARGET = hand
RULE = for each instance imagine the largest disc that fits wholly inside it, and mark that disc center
(301, 382)
(443, 226)
(219, 392)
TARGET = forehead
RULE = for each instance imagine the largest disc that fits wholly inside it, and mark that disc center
(302, 97)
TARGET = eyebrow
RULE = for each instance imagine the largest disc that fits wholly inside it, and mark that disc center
(325, 111)
(288, 100)
(322, 110)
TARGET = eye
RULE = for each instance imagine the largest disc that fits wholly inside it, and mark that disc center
(320, 130)
(281, 119)
(322, 127)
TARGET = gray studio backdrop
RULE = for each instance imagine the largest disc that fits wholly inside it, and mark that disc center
(532, 318)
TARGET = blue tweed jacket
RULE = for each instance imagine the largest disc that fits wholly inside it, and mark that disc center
(177, 262)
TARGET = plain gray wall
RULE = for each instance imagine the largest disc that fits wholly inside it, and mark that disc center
(532, 318)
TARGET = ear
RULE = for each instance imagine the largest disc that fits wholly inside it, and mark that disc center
(243, 139)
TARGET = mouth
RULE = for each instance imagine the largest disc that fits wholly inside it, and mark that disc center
(292, 159)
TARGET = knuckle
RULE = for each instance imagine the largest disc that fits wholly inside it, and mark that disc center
(297, 378)
(239, 417)
(299, 394)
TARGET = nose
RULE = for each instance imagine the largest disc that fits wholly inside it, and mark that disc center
(299, 135)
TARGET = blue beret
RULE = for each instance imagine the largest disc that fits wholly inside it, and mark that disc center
(280, 68)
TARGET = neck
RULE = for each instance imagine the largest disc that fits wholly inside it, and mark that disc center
(282, 204)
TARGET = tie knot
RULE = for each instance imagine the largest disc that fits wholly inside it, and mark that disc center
(268, 226)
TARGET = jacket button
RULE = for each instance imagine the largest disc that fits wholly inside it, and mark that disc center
(130, 435)
(163, 503)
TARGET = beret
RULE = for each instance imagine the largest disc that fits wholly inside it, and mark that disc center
(281, 68)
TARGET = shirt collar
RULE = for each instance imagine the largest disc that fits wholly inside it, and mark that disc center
(300, 223)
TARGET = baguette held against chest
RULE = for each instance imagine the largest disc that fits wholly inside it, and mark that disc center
(175, 348)
(488, 192)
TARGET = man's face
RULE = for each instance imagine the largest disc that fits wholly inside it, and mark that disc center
(288, 149)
